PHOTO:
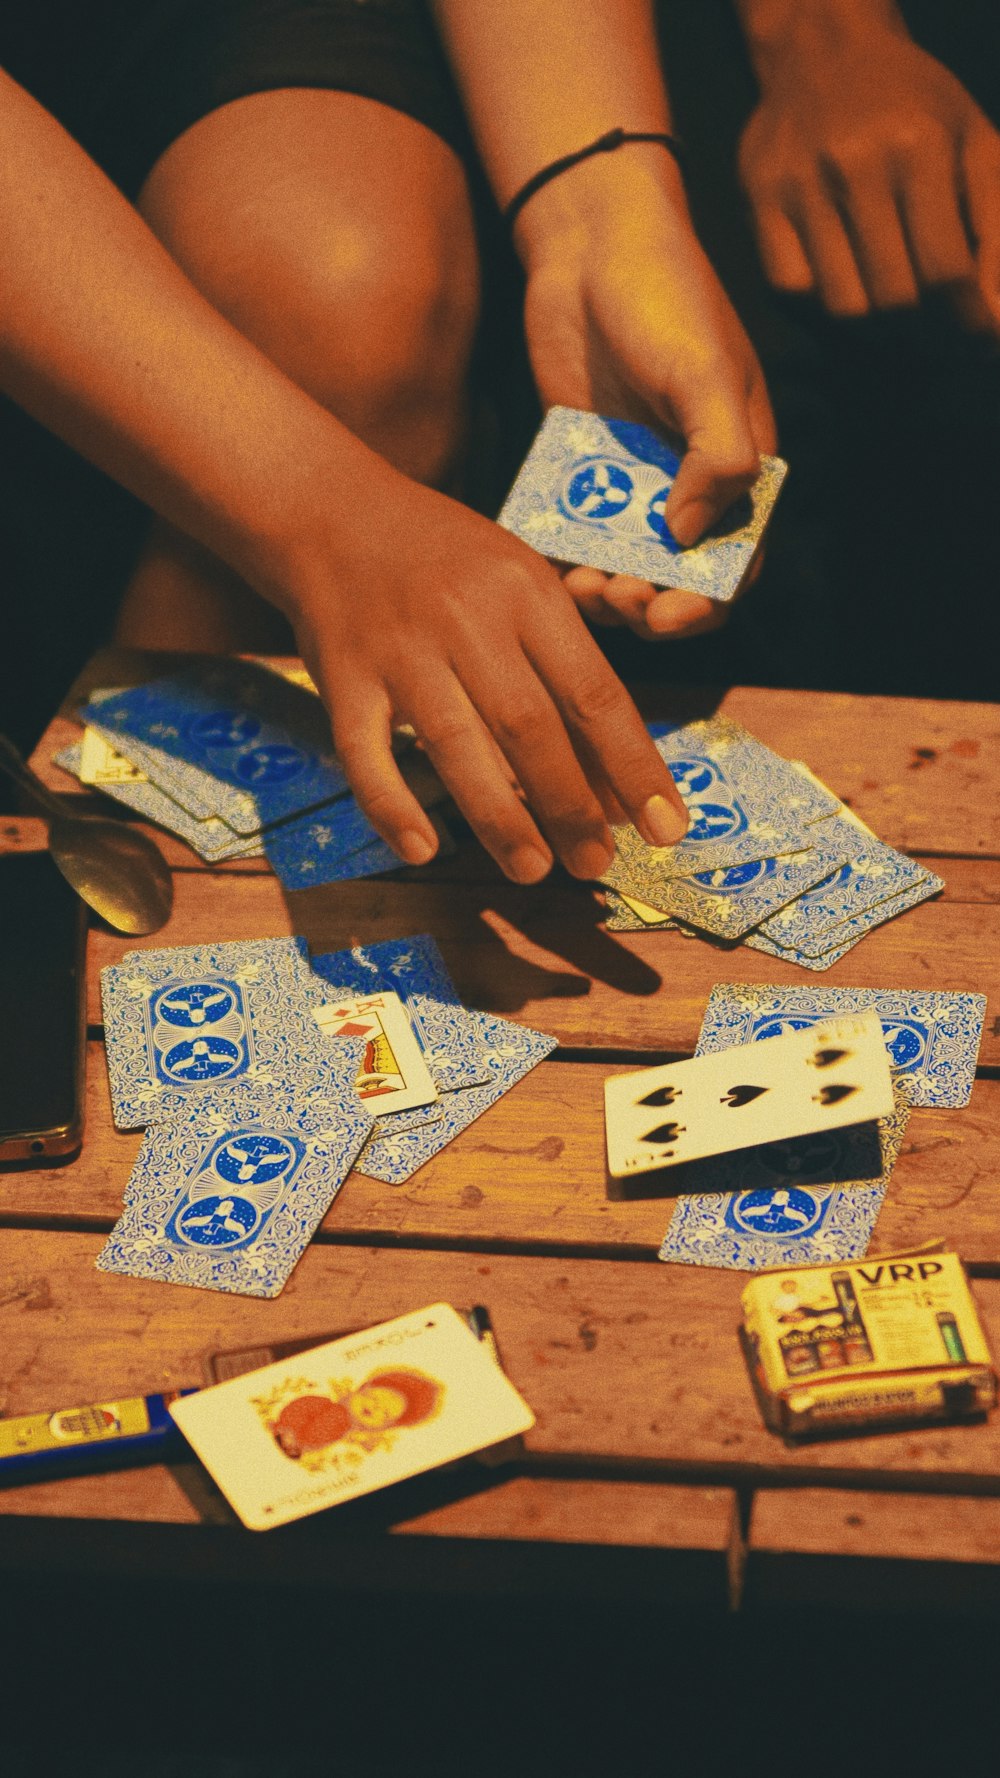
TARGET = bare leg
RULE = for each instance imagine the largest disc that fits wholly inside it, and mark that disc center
(337, 234)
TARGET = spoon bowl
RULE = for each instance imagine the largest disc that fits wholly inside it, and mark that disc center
(118, 872)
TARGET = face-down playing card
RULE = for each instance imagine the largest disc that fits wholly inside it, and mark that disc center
(190, 1019)
(593, 490)
(228, 1195)
(833, 1075)
(357, 1414)
(932, 1035)
(227, 739)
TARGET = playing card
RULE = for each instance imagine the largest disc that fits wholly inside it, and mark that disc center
(393, 1075)
(352, 1416)
(183, 1021)
(932, 1036)
(593, 490)
(231, 739)
(228, 1194)
(801, 1084)
(775, 1207)
(511, 1051)
(100, 764)
(209, 837)
(745, 804)
(727, 902)
(843, 937)
(868, 873)
(627, 914)
(448, 1033)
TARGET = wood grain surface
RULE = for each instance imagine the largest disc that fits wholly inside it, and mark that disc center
(529, 1175)
(646, 1431)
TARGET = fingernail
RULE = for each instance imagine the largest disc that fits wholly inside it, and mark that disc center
(529, 864)
(415, 847)
(589, 858)
(661, 823)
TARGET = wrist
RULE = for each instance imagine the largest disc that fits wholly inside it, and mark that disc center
(780, 33)
(636, 185)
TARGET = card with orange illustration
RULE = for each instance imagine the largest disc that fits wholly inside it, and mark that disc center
(352, 1416)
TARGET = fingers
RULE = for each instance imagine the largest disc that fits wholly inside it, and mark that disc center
(361, 723)
(838, 281)
(721, 461)
(981, 183)
(676, 613)
(931, 207)
(880, 247)
(603, 720)
(587, 585)
(477, 774)
(786, 264)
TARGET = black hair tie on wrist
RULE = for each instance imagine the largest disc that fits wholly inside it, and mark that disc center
(604, 145)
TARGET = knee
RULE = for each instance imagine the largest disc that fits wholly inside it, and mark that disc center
(365, 293)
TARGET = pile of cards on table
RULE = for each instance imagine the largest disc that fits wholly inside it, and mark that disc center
(812, 1199)
(238, 761)
(771, 859)
(262, 1076)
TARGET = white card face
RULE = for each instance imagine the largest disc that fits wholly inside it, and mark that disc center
(394, 1075)
(352, 1416)
(831, 1075)
(100, 764)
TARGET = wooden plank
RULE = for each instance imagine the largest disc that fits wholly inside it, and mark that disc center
(541, 956)
(842, 1548)
(530, 1174)
(921, 772)
(631, 1368)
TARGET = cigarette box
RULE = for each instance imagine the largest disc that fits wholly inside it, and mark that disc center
(891, 1339)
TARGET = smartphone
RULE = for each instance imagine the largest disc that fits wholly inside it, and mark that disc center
(43, 1011)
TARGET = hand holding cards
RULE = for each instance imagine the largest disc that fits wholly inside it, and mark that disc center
(833, 1075)
(357, 1414)
(592, 491)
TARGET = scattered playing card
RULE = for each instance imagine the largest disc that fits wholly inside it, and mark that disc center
(184, 1021)
(786, 1204)
(228, 1195)
(393, 1076)
(932, 1036)
(593, 491)
(807, 1082)
(352, 1416)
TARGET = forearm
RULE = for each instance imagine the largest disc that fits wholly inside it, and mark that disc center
(104, 340)
(542, 78)
(810, 28)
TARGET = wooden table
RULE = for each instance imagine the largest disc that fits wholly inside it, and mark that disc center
(649, 1471)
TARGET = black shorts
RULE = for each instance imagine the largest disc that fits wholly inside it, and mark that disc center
(127, 77)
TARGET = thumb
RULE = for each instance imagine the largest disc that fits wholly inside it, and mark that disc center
(720, 463)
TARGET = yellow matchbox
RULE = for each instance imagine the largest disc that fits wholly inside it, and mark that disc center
(891, 1339)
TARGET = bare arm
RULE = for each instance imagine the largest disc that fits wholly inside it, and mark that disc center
(624, 313)
(104, 340)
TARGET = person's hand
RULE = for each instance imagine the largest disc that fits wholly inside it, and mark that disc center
(625, 316)
(873, 176)
(417, 610)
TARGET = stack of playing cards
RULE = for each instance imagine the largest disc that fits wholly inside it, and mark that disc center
(593, 491)
(771, 859)
(238, 761)
(815, 1201)
(262, 1076)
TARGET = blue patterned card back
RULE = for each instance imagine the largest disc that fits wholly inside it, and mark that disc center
(932, 1035)
(593, 491)
(228, 1195)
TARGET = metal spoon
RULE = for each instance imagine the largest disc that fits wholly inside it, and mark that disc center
(118, 872)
